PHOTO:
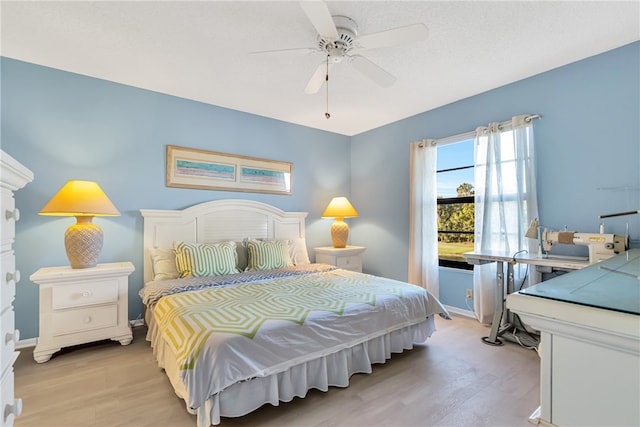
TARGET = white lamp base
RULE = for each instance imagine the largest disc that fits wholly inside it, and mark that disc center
(339, 233)
(83, 243)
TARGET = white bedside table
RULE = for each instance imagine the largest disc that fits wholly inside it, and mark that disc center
(78, 306)
(349, 258)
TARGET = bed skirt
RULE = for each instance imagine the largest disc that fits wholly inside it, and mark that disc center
(330, 370)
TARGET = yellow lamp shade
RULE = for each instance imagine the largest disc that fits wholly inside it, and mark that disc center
(80, 198)
(84, 200)
(339, 208)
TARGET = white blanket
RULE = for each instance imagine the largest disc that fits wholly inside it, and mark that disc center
(222, 336)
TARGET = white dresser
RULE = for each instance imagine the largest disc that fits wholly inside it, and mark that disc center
(82, 305)
(349, 258)
(13, 176)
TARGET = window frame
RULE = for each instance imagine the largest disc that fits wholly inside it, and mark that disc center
(461, 265)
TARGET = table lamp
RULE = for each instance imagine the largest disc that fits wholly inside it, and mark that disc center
(339, 208)
(532, 231)
(84, 200)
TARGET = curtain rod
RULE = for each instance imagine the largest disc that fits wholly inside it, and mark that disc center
(471, 134)
(527, 118)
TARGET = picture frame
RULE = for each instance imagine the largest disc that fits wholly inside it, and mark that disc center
(212, 170)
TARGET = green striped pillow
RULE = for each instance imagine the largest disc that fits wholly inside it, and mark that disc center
(268, 254)
(206, 259)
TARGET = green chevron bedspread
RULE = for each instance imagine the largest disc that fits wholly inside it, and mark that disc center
(226, 334)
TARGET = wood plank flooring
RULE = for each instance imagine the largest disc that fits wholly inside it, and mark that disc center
(452, 380)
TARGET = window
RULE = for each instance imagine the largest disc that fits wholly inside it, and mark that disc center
(455, 202)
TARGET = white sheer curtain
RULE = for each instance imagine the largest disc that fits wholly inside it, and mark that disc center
(505, 202)
(423, 217)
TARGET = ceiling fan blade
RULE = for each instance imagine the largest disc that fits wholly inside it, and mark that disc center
(394, 37)
(317, 79)
(372, 71)
(295, 50)
(320, 17)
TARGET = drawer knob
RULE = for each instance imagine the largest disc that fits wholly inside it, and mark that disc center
(87, 320)
(86, 294)
(15, 214)
(15, 409)
(15, 337)
(15, 276)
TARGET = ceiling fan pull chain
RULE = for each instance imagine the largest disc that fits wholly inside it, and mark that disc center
(326, 79)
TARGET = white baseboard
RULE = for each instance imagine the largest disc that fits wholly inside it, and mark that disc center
(136, 322)
(460, 311)
(29, 342)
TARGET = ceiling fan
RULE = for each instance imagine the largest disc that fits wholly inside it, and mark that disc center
(339, 41)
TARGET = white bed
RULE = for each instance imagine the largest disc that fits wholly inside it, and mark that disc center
(404, 318)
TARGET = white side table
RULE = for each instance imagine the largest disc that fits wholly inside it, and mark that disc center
(78, 306)
(349, 258)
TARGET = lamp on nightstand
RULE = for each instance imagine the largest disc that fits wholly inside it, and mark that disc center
(84, 200)
(339, 208)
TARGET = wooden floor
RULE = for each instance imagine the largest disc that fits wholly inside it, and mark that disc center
(452, 380)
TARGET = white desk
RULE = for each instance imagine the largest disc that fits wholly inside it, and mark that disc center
(502, 283)
(589, 323)
(548, 264)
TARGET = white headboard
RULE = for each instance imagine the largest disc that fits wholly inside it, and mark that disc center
(229, 219)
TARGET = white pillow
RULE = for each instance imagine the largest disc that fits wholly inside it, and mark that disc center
(298, 251)
(164, 263)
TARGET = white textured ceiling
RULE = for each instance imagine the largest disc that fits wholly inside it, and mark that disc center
(199, 50)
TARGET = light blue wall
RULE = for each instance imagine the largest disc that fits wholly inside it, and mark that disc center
(65, 126)
(455, 283)
(589, 138)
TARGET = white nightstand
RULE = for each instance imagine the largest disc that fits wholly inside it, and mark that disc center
(78, 306)
(349, 258)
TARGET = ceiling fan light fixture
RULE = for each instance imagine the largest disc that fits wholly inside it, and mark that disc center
(347, 30)
(336, 53)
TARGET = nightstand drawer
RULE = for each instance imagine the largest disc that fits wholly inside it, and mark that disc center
(80, 295)
(71, 321)
(350, 262)
(348, 258)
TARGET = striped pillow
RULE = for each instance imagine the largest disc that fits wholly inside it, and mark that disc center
(206, 259)
(266, 255)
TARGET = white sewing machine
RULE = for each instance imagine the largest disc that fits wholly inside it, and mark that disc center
(601, 246)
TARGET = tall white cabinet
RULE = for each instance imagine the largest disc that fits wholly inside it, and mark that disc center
(13, 176)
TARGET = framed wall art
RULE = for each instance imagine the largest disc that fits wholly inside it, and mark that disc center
(210, 170)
